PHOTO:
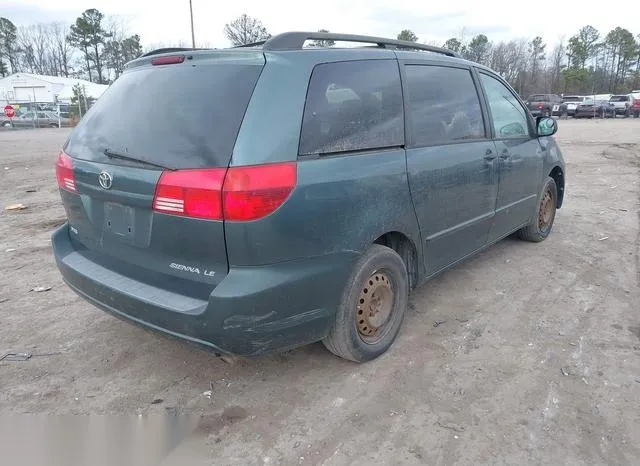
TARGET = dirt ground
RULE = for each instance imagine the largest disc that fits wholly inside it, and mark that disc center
(529, 353)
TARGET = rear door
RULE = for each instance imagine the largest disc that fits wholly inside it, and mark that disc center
(520, 157)
(451, 163)
(183, 116)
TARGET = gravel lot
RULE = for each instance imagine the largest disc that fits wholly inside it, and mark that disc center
(536, 358)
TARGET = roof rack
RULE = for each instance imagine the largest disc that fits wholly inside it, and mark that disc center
(296, 41)
(253, 44)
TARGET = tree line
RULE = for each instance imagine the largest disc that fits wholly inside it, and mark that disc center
(96, 47)
(588, 63)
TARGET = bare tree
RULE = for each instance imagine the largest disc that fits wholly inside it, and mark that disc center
(35, 45)
(556, 64)
(510, 60)
(62, 50)
(245, 30)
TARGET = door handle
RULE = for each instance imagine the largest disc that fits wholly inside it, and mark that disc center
(489, 155)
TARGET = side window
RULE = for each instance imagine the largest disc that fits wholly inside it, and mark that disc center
(443, 104)
(353, 106)
(509, 117)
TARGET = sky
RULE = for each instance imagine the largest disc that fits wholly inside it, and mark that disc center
(167, 23)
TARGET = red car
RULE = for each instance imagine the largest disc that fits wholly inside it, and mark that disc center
(635, 105)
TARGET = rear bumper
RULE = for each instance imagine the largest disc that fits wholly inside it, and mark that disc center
(253, 311)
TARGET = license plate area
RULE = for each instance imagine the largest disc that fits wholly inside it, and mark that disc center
(120, 221)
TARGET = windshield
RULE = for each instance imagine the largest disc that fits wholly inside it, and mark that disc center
(177, 116)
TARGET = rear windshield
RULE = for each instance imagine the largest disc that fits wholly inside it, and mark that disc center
(539, 98)
(572, 99)
(619, 98)
(179, 116)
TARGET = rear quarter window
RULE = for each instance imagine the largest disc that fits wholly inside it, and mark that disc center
(352, 106)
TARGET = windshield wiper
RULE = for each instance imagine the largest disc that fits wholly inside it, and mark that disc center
(119, 155)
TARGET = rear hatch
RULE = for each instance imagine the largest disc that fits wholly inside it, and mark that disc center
(158, 219)
(571, 103)
(537, 102)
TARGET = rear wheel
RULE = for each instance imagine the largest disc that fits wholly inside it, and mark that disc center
(372, 306)
(540, 226)
(7, 124)
(53, 125)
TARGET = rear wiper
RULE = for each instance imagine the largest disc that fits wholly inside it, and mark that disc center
(119, 155)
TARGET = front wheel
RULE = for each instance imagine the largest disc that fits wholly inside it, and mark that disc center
(540, 226)
(372, 307)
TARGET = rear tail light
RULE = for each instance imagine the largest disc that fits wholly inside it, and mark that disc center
(540, 106)
(237, 193)
(251, 193)
(64, 173)
(190, 193)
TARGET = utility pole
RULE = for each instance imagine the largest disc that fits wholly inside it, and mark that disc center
(193, 34)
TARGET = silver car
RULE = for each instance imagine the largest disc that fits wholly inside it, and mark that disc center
(36, 120)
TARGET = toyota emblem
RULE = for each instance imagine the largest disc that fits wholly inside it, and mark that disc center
(105, 180)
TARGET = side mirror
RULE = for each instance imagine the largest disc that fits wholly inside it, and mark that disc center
(546, 126)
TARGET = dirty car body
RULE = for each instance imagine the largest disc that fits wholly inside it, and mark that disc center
(236, 224)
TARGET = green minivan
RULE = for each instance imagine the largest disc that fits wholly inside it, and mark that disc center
(255, 199)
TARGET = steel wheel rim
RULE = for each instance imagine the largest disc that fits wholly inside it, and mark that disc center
(375, 307)
(546, 213)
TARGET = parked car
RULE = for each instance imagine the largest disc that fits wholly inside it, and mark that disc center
(544, 104)
(622, 104)
(635, 103)
(595, 109)
(264, 215)
(570, 103)
(36, 120)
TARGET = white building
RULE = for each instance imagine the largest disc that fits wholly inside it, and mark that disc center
(27, 87)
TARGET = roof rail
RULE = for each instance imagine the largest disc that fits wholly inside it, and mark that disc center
(167, 50)
(296, 40)
(253, 44)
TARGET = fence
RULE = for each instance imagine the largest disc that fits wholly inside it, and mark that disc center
(44, 114)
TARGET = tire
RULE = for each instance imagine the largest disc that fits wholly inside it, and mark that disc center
(53, 125)
(382, 270)
(6, 124)
(540, 226)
